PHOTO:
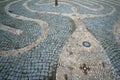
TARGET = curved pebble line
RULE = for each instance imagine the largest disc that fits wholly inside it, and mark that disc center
(112, 2)
(93, 9)
(11, 30)
(32, 45)
(81, 16)
(3, 1)
(96, 9)
(95, 15)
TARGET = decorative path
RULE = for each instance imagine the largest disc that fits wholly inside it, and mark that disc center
(9, 29)
(76, 40)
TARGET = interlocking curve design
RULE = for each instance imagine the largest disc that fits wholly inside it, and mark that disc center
(37, 33)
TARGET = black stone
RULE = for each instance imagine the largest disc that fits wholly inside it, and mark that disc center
(103, 64)
(70, 53)
(10, 11)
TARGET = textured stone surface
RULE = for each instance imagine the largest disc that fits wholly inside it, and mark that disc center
(35, 36)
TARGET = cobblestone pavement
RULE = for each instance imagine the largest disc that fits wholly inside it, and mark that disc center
(76, 40)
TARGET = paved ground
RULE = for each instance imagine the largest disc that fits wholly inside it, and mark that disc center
(77, 40)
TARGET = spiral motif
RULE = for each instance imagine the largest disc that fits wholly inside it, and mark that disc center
(40, 40)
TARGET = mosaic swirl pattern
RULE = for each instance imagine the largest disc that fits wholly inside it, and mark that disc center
(39, 40)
